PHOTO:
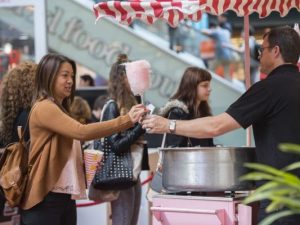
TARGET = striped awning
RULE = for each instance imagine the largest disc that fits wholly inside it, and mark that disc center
(175, 11)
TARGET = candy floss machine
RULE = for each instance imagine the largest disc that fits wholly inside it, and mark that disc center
(202, 187)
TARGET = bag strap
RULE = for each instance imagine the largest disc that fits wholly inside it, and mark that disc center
(160, 158)
(189, 142)
(102, 114)
(48, 139)
(21, 133)
(104, 108)
(163, 143)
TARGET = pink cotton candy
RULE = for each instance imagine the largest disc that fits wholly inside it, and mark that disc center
(138, 74)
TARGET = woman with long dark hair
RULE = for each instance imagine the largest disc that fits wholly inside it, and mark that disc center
(189, 102)
(55, 152)
(125, 209)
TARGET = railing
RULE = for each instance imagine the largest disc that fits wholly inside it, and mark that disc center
(93, 203)
(189, 36)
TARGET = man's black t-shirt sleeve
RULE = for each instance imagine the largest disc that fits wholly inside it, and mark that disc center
(252, 106)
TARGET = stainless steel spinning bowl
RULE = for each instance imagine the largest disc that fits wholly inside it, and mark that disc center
(206, 169)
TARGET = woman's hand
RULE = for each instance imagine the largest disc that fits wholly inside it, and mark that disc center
(137, 112)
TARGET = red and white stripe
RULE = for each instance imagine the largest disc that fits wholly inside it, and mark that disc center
(175, 11)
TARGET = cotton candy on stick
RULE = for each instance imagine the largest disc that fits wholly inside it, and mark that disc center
(138, 75)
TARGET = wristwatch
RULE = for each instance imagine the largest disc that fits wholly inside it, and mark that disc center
(172, 126)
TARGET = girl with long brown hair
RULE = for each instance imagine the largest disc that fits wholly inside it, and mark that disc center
(190, 101)
(125, 209)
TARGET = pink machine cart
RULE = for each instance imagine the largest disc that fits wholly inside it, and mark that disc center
(200, 210)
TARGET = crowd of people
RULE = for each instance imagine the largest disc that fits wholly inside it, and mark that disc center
(60, 122)
(215, 47)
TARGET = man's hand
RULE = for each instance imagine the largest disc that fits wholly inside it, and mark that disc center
(155, 124)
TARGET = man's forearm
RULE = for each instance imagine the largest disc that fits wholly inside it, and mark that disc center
(206, 127)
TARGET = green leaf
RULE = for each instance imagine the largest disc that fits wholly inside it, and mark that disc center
(273, 171)
(278, 175)
(292, 166)
(275, 205)
(257, 196)
(263, 176)
(257, 176)
(288, 196)
(291, 148)
(275, 216)
(264, 168)
(270, 194)
(291, 202)
(267, 186)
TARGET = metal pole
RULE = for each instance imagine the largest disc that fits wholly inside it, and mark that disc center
(247, 69)
(40, 25)
(40, 30)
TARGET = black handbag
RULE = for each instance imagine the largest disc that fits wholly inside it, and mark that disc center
(115, 172)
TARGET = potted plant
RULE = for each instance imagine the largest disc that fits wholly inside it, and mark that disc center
(282, 187)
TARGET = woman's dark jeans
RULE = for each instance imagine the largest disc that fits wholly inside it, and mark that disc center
(55, 209)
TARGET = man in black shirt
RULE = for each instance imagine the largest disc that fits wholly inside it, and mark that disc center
(272, 106)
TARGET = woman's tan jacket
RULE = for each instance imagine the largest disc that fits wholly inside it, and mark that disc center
(47, 120)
